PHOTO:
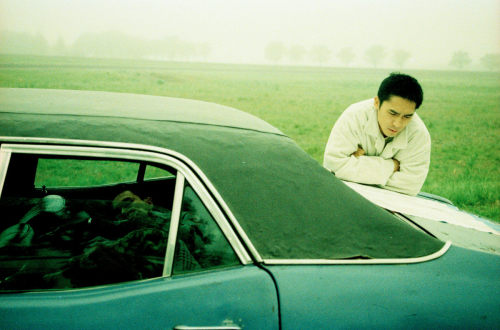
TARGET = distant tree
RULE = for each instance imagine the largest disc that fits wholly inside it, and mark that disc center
(119, 45)
(168, 48)
(346, 55)
(400, 57)
(40, 45)
(460, 59)
(491, 62)
(23, 43)
(187, 50)
(275, 51)
(375, 55)
(85, 45)
(59, 48)
(204, 50)
(110, 44)
(173, 48)
(296, 53)
(320, 54)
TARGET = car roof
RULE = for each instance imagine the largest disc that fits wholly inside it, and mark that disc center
(288, 205)
(123, 105)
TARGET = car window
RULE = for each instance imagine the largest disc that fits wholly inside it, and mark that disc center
(85, 172)
(61, 228)
(200, 244)
(153, 172)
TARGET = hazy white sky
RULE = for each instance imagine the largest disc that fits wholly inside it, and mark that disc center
(238, 30)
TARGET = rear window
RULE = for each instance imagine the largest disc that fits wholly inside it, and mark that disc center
(79, 222)
(84, 172)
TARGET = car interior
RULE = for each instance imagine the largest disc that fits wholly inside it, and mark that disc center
(64, 227)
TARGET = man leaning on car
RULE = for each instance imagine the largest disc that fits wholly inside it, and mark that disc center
(382, 141)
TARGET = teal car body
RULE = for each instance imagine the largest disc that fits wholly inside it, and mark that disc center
(257, 234)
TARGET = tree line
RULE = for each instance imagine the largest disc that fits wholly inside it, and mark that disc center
(121, 45)
(276, 52)
(105, 44)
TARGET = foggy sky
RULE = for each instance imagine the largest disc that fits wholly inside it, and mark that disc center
(239, 30)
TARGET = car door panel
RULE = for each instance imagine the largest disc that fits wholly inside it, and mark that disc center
(244, 296)
(421, 295)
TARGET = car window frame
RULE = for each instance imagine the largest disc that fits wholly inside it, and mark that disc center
(184, 174)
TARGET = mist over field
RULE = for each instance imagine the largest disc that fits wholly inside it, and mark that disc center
(460, 109)
(326, 54)
(400, 34)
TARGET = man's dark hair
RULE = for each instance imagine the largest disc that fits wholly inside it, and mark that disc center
(402, 85)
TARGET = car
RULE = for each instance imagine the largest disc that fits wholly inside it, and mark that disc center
(136, 211)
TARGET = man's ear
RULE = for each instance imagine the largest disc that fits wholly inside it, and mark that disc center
(376, 102)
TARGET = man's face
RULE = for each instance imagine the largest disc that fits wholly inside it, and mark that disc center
(394, 114)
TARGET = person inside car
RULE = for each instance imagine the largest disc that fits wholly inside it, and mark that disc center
(138, 252)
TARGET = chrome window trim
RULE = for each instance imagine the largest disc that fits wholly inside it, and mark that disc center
(4, 161)
(248, 243)
(171, 158)
(174, 224)
(131, 152)
(222, 327)
(390, 261)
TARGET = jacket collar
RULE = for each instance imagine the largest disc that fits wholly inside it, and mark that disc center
(400, 141)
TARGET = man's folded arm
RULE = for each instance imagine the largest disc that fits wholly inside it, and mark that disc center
(339, 159)
(414, 166)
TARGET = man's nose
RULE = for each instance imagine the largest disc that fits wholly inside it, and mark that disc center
(397, 122)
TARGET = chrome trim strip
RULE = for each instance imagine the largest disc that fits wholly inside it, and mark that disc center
(136, 152)
(174, 224)
(220, 200)
(432, 256)
(167, 154)
(224, 327)
(4, 163)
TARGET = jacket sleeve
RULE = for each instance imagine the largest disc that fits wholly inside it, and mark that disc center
(413, 167)
(344, 140)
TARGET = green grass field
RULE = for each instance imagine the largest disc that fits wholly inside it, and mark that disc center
(461, 109)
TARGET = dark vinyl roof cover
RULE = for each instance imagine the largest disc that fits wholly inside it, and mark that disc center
(289, 206)
(138, 106)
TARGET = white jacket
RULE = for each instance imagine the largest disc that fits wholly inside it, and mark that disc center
(358, 125)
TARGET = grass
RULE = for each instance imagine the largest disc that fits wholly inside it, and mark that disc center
(461, 109)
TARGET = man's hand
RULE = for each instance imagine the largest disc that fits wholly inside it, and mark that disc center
(396, 164)
(359, 152)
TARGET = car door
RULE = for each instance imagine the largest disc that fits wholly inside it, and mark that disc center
(108, 237)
